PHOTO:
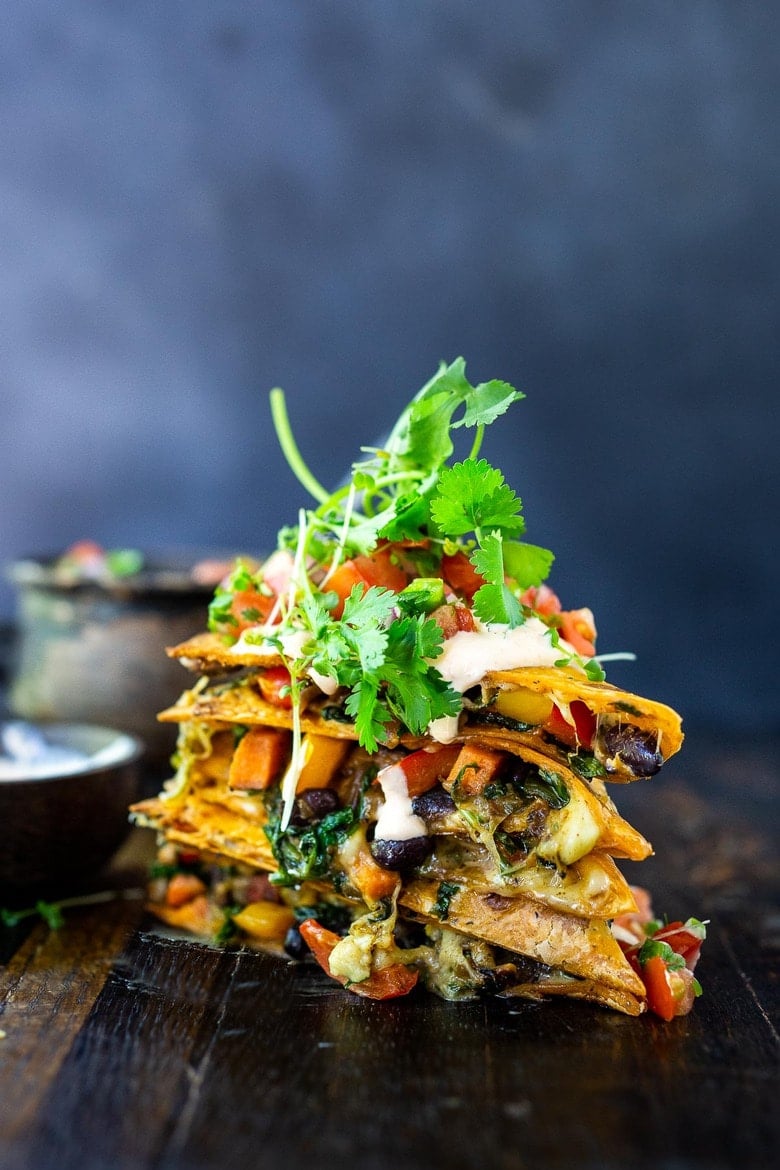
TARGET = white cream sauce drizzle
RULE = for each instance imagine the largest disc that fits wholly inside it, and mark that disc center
(469, 655)
(396, 821)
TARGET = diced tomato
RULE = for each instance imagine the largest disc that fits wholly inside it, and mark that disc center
(473, 770)
(541, 600)
(378, 568)
(683, 942)
(633, 922)
(381, 568)
(452, 619)
(85, 551)
(578, 628)
(249, 607)
(424, 769)
(385, 983)
(272, 683)
(183, 887)
(342, 581)
(659, 991)
(669, 993)
(277, 571)
(259, 758)
(459, 573)
(581, 734)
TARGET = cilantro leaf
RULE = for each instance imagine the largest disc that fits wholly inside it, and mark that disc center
(497, 604)
(426, 440)
(652, 949)
(488, 559)
(494, 602)
(362, 623)
(409, 520)
(594, 671)
(369, 715)
(422, 435)
(472, 495)
(486, 402)
(527, 564)
(406, 686)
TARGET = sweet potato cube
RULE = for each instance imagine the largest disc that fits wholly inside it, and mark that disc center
(324, 756)
(371, 880)
(473, 770)
(259, 758)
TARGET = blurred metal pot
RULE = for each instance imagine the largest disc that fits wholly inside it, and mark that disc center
(94, 651)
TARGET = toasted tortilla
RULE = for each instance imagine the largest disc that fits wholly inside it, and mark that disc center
(243, 705)
(241, 702)
(207, 653)
(564, 686)
(575, 945)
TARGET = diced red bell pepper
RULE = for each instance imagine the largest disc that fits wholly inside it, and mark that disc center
(385, 983)
(581, 734)
(424, 769)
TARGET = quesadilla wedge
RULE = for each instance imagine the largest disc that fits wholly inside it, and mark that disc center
(517, 827)
(396, 751)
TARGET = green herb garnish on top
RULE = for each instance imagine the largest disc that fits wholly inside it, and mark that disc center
(367, 586)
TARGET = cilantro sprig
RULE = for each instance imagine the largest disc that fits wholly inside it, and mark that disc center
(472, 499)
(52, 912)
(391, 489)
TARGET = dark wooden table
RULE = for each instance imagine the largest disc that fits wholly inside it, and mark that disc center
(131, 1050)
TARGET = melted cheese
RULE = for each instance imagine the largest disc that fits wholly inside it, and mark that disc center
(571, 832)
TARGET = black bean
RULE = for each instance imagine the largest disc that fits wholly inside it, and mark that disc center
(294, 944)
(313, 804)
(434, 803)
(637, 749)
(401, 854)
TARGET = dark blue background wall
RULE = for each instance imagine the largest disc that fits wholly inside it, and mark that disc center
(202, 199)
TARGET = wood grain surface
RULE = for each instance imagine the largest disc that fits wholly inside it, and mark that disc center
(129, 1049)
